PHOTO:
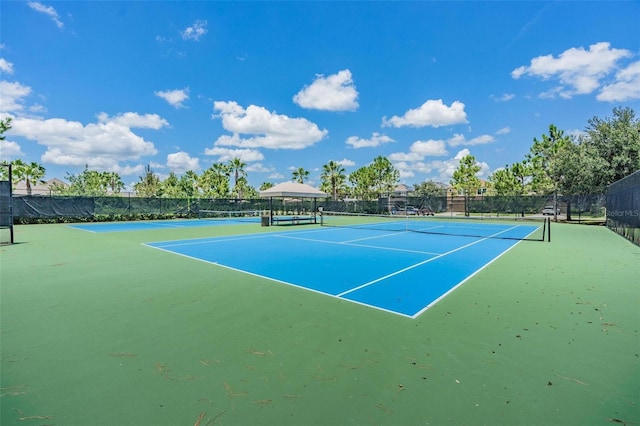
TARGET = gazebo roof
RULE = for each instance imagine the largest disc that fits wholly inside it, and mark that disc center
(291, 189)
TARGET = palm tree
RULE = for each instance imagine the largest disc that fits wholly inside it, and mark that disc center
(265, 186)
(214, 182)
(5, 125)
(299, 175)
(113, 182)
(149, 184)
(189, 183)
(29, 173)
(237, 168)
(333, 178)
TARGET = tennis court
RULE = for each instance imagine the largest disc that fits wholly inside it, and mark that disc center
(101, 329)
(206, 218)
(400, 272)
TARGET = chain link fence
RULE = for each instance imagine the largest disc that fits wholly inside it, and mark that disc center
(52, 208)
(623, 207)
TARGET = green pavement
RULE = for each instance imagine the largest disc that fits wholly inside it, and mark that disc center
(97, 329)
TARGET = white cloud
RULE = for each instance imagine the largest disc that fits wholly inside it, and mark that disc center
(419, 150)
(47, 10)
(409, 169)
(446, 168)
(276, 176)
(626, 86)
(459, 139)
(432, 113)
(258, 168)
(503, 131)
(195, 31)
(226, 154)
(135, 120)
(577, 134)
(6, 66)
(9, 150)
(180, 162)
(579, 71)
(346, 162)
(502, 98)
(411, 164)
(128, 170)
(11, 95)
(269, 130)
(376, 140)
(103, 145)
(175, 98)
(333, 93)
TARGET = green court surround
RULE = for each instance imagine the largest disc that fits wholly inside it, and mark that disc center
(97, 329)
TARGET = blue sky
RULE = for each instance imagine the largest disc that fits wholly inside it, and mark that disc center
(283, 85)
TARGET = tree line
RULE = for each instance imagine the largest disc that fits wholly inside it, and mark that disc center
(583, 164)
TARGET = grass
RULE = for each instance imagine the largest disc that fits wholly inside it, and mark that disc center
(98, 329)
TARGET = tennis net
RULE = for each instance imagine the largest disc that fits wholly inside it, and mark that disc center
(231, 215)
(522, 228)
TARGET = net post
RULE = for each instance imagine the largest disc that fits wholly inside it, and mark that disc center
(548, 229)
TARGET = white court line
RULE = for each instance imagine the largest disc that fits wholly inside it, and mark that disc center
(419, 264)
(386, 235)
(281, 281)
(207, 240)
(347, 243)
(82, 229)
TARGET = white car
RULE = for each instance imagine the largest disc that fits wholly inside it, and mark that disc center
(548, 210)
(411, 210)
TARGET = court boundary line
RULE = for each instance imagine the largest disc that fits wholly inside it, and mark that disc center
(339, 296)
(204, 240)
(418, 264)
(301, 287)
(346, 243)
(443, 295)
(159, 224)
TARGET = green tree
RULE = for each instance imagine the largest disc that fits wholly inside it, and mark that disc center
(30, 173)
(113, 182)
(581, 168)
(91, 183)
(504, 181)
(149, 184)
(384, 176)
(465, 179)
(616, 144)
(244, 190)
(189, 184)
(266, 185)
(361, 181)
(170, 187)
(299, 175)
(430, 188)
(542, 157)
(5, 125)
(512, 180)
(236, 166)
(214, 182)
(333, 179)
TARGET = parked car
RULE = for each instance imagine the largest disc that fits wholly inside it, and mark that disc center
(410, 210)
(426, 211)
(548, 210)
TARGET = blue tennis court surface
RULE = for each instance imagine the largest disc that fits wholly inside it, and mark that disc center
(158, 224)
(399, 272)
